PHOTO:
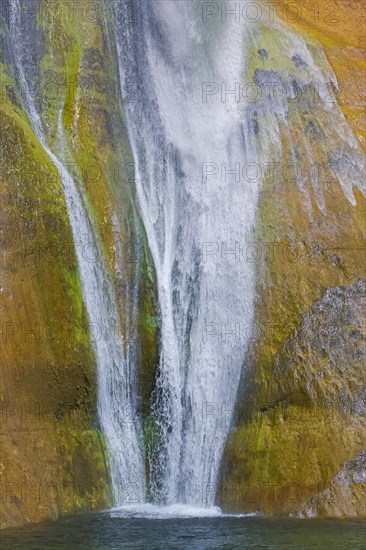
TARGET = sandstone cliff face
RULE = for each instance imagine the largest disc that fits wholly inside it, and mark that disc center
(305, 417)
(340, 28)
(48, 377)
(301, 409)
(53, 458)
(345, 495)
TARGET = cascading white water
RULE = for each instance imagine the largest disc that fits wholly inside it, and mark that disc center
(167, 51)
(116, 376)
(164, 59)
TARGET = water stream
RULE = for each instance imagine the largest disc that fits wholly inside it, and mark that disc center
(116, 391)
(165, 55)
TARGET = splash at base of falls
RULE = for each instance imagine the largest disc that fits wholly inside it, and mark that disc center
(151, 511)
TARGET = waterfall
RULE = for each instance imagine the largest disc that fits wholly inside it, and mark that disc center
(189, 150)
(206, 305)
(115, 372)
(202, 155)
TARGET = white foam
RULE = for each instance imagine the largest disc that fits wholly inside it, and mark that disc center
(150, 511)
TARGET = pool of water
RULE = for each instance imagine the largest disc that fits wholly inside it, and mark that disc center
(153, 529)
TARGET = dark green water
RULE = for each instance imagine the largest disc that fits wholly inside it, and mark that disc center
(103, 531)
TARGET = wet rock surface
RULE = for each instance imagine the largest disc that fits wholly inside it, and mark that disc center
(345, 495)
